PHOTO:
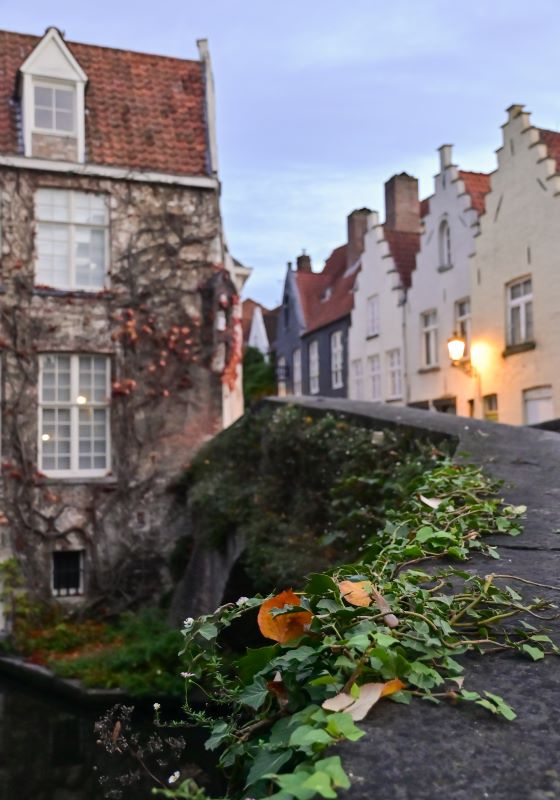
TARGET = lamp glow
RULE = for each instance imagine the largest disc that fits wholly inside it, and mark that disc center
(456, 347)
(45, 437)
(81, 400)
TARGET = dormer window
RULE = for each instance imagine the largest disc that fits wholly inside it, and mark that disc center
(53, 101)
(54, 108)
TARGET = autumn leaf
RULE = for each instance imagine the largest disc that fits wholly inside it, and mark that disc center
(370, 693)
(433, 502)
(357, 593)
(285, 627)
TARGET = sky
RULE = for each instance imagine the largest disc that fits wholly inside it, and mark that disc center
(319, 102)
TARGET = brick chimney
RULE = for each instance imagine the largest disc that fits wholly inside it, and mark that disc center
(303, 263)
(402, 206)
(357, 223)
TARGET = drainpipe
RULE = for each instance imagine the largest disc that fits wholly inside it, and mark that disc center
(405, 351)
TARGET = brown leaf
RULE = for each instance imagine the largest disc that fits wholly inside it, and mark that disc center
(433, 502)
(358, 707)
(286, 627)
(357, 593)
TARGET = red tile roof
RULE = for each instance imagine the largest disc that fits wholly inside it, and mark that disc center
(247, 310)
(477, 184)
(552, 141)
(143, 111)
(424, 207)
(327, 296)
(403, 247)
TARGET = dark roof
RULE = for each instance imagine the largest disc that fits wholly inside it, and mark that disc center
(477, 184)
(403, 247)
(143, 111)
(270, 319)
(424, 207)
(327, 296)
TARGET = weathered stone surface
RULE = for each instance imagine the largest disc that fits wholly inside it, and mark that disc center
(426, 752)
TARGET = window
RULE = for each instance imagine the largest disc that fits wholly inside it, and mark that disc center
(372, 323)
(358, 378)
(395, 374)
(538, 405)
(74, 415)
(296, 371)
(281, 374)
(67, 572)
(374, 367)
(337, 377)
(429, 339)
(54, 108)
(490, 407)
(314, 367)
(520, 312)
(463, 322)
(444, 244)
(72, 239)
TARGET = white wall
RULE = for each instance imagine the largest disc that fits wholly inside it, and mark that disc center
(520, 235)
(435, 287)
(377, 276)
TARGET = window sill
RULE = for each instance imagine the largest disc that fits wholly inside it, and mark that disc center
(425, 370)
(523, 347)
(372, 336)
(98, 480)
(94, 294)
(445, 268)
(394, 400)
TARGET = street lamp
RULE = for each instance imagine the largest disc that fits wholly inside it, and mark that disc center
(456, 345)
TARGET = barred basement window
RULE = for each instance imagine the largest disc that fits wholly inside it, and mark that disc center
(72, 239)
(67, 572)
(74, 395)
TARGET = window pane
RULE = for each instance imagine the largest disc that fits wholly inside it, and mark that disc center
(67, 572)
(64, 121)
(515, 331)
(90, 209)
(528, 320)
(43, 96)
(43, 118)
(53, 255)
(53, 205)
(64, 99)
(90, 257)
(92, 438)
(55, 439)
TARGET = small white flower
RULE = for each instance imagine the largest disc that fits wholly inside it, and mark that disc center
(174, 778)
(157, 706)
(189, 622)
(187, 674)
(242, 601)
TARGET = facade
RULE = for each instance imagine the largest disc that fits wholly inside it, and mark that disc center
(439, 300)
(377, 342)
(516, 280)
(259, 327)
(119, 323)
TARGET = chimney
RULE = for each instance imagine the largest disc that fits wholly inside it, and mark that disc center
(402, 206)
(514, 111)
(357, 223)
(303, 262)
(445, 156)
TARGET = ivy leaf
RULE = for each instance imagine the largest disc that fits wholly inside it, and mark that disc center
(369, 693)
(341, 725)
(255, 694)
(533, 652)
(254, 661)
(333, 767)
(208, 631)
(266, 763)
(306, 737)
(320, 783)
(218, 735)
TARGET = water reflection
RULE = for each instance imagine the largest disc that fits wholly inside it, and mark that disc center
(48, 750)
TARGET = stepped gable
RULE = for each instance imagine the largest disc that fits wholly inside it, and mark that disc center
(403, 246)
(477, 185)
(327, 296)
(143, 111)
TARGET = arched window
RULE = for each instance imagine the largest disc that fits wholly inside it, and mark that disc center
(444, 244)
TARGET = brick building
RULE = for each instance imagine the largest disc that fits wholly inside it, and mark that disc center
(118, 320)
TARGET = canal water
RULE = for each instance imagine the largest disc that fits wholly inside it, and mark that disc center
(48, 751)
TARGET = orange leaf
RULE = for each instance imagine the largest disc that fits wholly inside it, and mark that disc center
(356, 592)
(392, 686)
(286, 627)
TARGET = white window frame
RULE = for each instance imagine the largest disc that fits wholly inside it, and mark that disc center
(74, 470)
(67, 86)
(358, 378)
(296, 371)
(522, 303)
(429, 338)
(463, 322)
(372, 316)
(394, 370)
(538, 394)
(81, 584)
(337, 360)
(314, 367)
(72, 226)
(374, 369)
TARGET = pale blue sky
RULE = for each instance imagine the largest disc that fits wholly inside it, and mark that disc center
(320, 101)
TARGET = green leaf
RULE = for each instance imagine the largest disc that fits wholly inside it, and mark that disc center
(265, 763)
(533, 652)
(219, 733)
(333, 767)
(208, 631)
(501, 706)
(359, 642)
(320, 783)
(307, 737)
(341, 725)
(255, 694)
(254, 661)
(318, 584)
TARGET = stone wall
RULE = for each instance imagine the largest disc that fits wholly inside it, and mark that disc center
(156, 321)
